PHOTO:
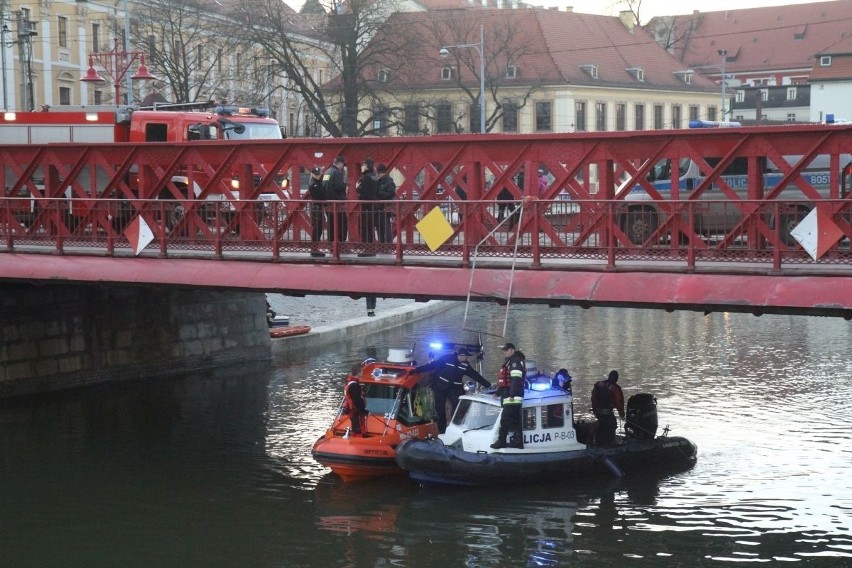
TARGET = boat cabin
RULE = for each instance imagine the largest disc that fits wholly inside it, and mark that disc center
(392, 392)
(548, 421)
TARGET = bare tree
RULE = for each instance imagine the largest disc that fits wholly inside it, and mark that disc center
(341, 42)
(185, 41)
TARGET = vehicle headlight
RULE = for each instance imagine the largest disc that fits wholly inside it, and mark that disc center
(235, 183)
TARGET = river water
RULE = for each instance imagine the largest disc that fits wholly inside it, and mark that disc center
(216, 471)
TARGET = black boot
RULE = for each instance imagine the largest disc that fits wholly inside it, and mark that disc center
(517, 441)
(501, 440)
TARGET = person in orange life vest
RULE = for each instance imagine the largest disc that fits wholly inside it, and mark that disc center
(511, 390)
(447, 383)
(606, 396)
(355, 403)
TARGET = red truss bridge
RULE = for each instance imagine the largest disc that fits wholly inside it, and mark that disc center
(753, 219)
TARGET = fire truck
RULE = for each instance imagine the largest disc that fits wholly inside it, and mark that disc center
(167, 123)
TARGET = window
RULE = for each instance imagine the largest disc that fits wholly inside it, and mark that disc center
(677, 116)
(637, 72)
(543, 116)
(96, 37)
(155, 132)
(474, 114)
(529, 418)
(411, 122)
(65, 95)
(740, 96)
(380, 121)
(446, 73)
(791, 117)
(510, 117)
(384, 76)
(219, 61)
(825, 61)
(600, 117)
(620, 112)
(693, 112)
(711, 113)
(580, 116)
(553, 416)
(658, 117)
(512, 72)
(591, 69)
(153, 57)
(764, 94)
(639, 123)
(791, 93)
(443, 118)
(99, 98)
(63, 31)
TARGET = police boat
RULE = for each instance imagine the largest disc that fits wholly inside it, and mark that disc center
(554, 447)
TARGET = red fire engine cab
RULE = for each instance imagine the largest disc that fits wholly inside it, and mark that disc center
(169, 123)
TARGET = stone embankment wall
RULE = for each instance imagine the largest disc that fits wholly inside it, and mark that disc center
(62, 336)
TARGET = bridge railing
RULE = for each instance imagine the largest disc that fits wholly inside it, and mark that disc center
(538, 232)
(692, 196)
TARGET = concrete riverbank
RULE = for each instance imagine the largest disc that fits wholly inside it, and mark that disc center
(333, 319)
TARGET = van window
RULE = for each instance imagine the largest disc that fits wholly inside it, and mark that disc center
(155, 132)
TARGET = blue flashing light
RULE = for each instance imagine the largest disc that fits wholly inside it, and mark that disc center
(540, 386)
(436, 345)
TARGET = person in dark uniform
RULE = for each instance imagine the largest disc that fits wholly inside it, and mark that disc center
(368, 192)
(316, 191)
(355, 403)
(606, 396)
(511, 391)
(334, 183)
(449, 370)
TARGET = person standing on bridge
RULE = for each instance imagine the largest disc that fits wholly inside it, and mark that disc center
(368, 192)
(317, 195)
(334, 183)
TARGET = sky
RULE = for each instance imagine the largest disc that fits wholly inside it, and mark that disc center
(648, 8)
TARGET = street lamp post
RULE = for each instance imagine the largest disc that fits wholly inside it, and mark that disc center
(116, 63)
(480, 49)
(724, 54)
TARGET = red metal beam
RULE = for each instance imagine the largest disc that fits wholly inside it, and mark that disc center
(829, 295)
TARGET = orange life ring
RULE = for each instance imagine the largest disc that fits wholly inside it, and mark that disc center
(289, 330)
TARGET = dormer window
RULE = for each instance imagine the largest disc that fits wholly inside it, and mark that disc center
(685, 76)
(591, 69)
(825, 61)
(446, 73)
(511, 72)
(383, 75)
(637, 72)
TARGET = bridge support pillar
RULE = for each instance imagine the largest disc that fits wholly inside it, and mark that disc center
(63, 336)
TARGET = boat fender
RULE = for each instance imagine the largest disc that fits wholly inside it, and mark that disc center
(613, 467)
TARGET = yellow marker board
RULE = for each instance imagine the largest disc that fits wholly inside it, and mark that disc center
(435, 229)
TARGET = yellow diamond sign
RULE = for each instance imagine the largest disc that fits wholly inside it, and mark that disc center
(435, 229)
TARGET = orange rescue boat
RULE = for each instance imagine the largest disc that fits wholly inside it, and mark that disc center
(398, 407)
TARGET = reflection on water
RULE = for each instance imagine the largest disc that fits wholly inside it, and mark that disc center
(216, 471)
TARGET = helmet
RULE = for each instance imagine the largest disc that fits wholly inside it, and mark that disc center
(316, 171)
(367, 361)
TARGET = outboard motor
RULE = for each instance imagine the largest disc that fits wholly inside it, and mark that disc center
(641, 417)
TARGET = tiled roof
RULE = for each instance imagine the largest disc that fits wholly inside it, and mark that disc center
(841, 62)
(772, 38)
(551, 48)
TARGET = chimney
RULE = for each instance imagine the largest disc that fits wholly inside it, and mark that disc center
(626, 17)
(569, 8)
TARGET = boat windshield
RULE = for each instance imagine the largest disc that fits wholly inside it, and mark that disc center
(414, 406)
(475, 415)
